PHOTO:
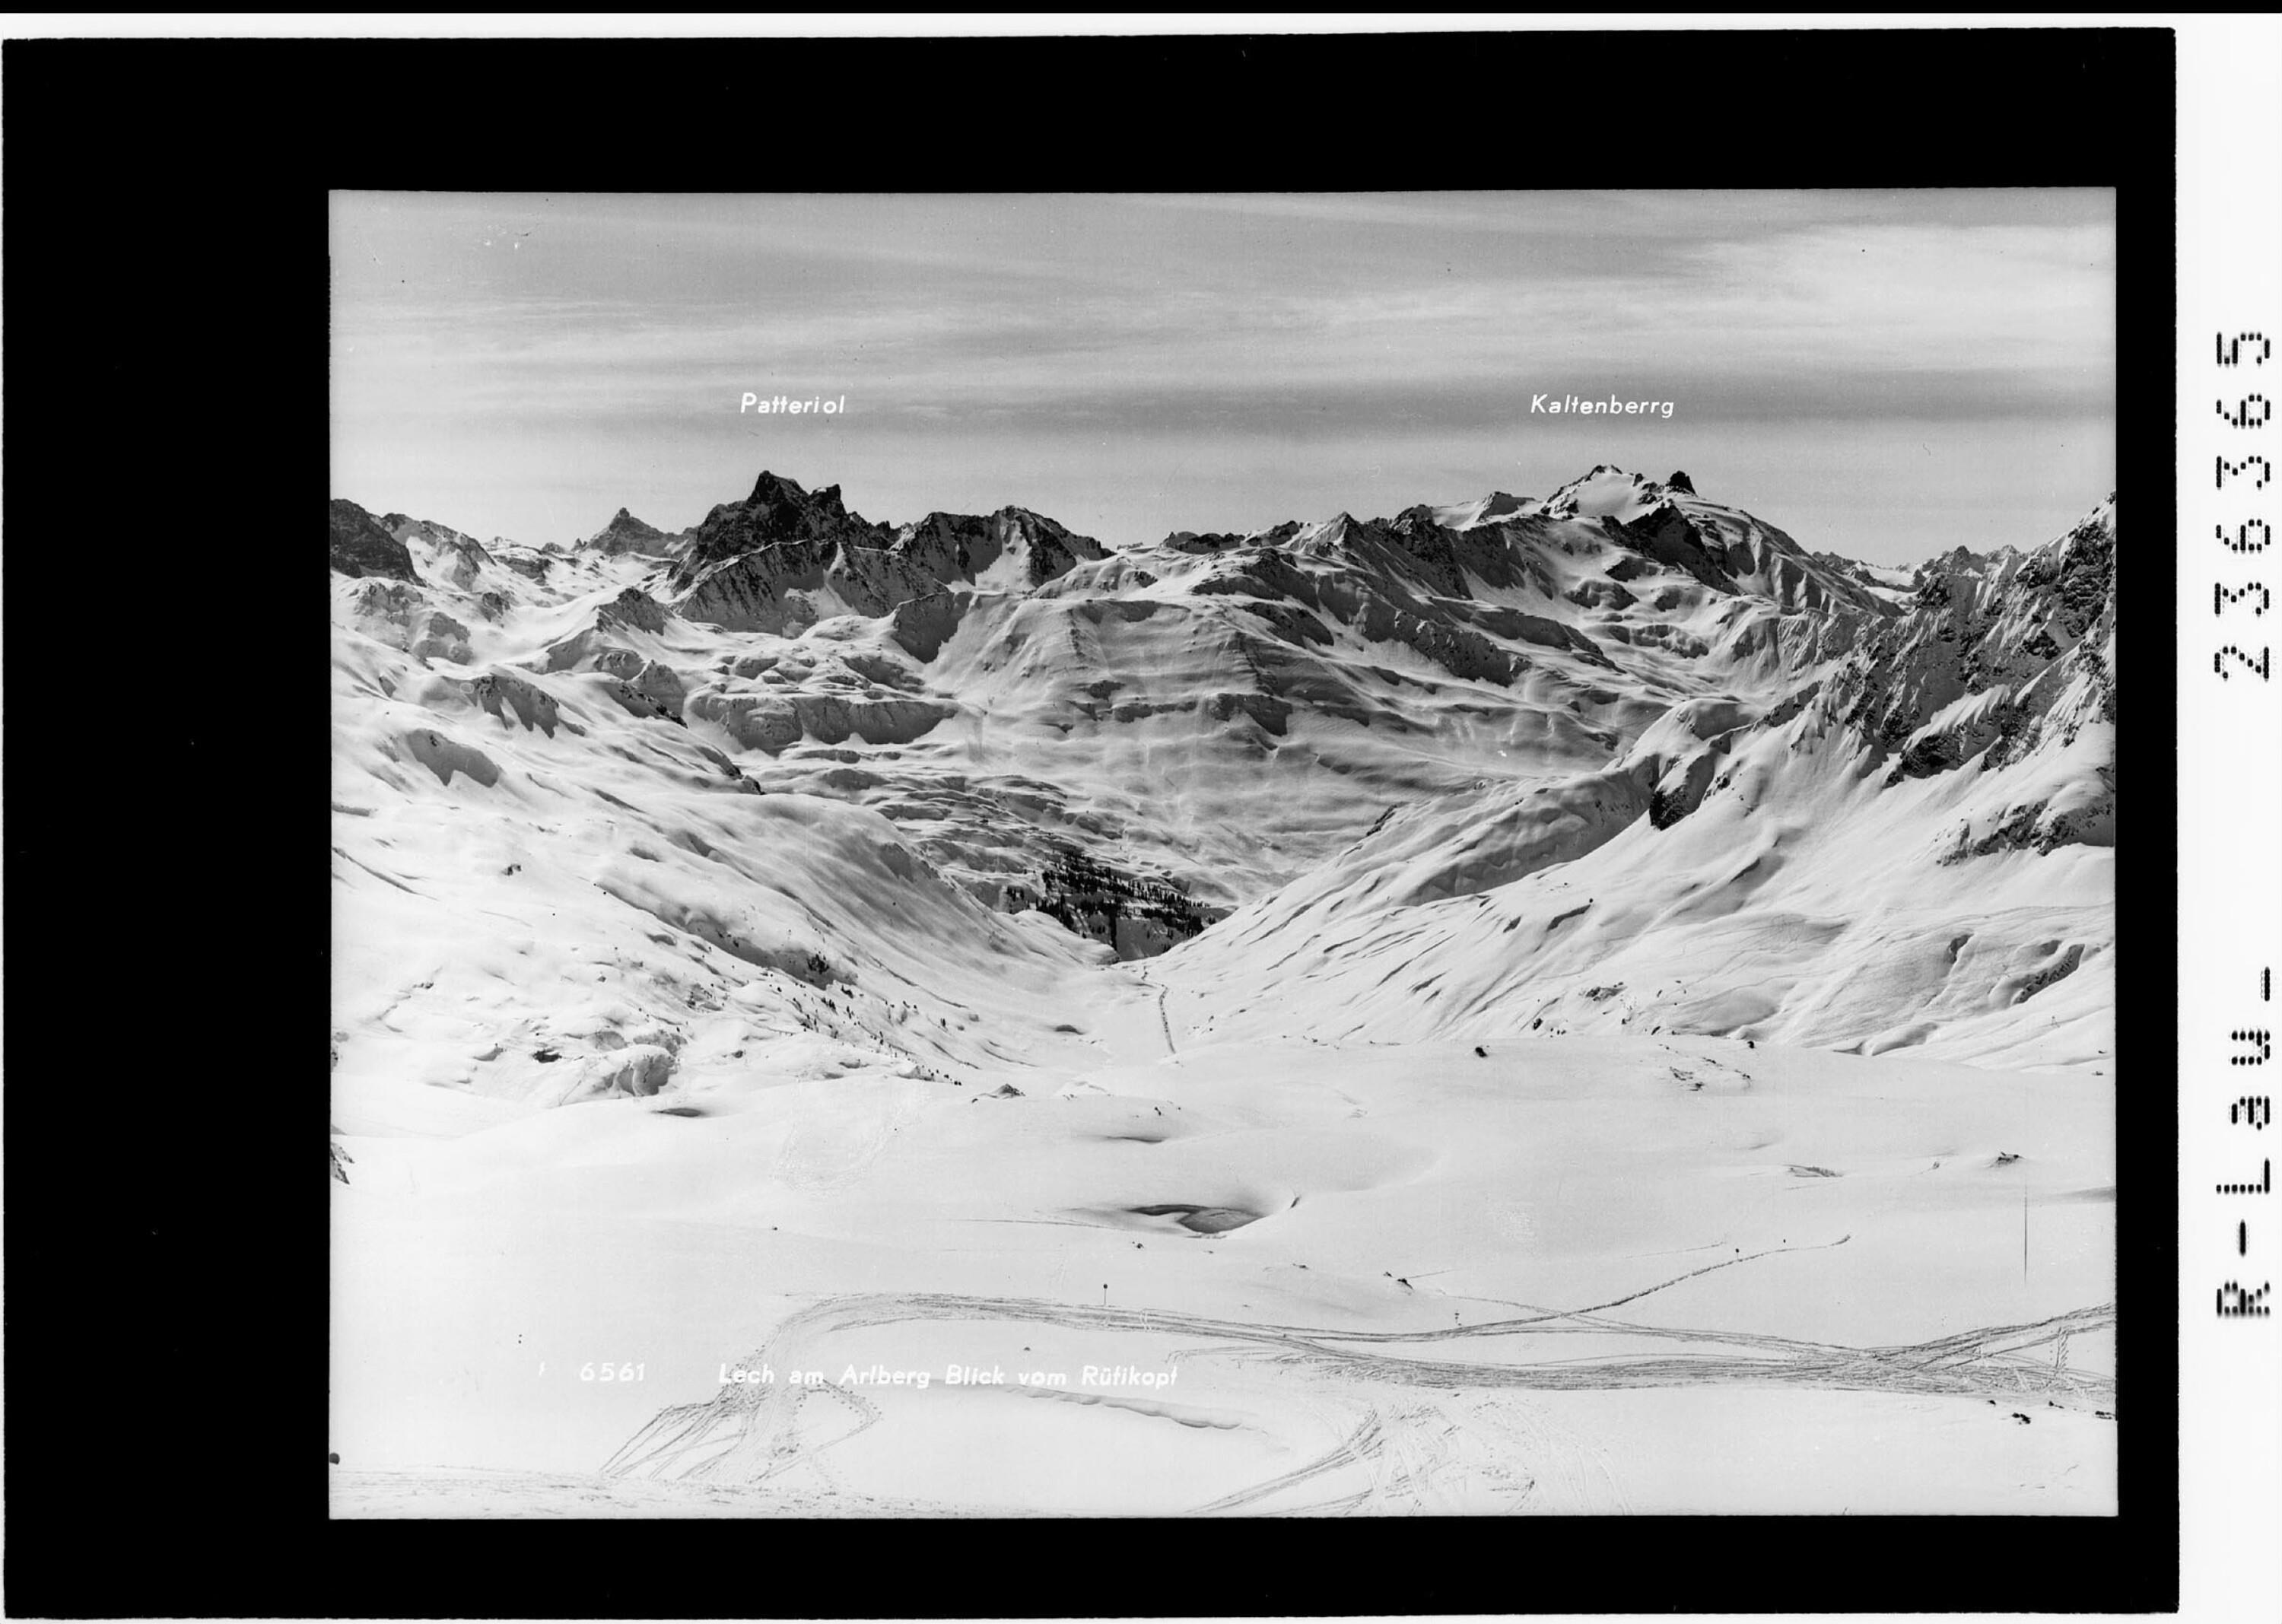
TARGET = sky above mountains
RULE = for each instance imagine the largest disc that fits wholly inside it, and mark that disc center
(1886, 375)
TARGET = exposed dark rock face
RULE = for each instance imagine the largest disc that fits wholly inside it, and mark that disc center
(1998, 657)
(2032, 625)
(1600, 594)
(361, 546)
(399, 614)
(625, 533)
(1191, 542)
(1670, 538)
(1413, 550)
(500, 692)
(1680, 482)
(1138, 917)
(779, 559)
(775, 722)
(645, 688)
(633, 607)
(2063, 965)
(778, 514)
(460, 558)
(960, 546)
(1301, 598)
(922, 625)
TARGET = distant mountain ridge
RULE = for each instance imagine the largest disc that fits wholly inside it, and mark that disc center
(1138, 740)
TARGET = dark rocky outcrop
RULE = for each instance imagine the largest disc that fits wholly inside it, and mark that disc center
(633, 608)
(2032, 625)
(1301, 594)
(960, 546)
(922, 625)
(625, 533)
(1137, 916)
(1670, 538)
(1998, 659)
(775, 722)
(361, 546)
(778, 515)
(775, 561)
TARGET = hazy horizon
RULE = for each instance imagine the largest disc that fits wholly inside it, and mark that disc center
(1886, 375)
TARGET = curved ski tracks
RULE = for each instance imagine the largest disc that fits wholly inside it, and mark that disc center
(1420, 1427)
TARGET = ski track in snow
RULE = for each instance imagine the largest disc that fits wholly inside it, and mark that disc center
(1402, 1415)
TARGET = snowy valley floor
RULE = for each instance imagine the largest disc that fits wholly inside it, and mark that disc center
(1573, 1274)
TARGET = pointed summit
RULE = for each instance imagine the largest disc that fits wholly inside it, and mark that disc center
(625, 533)
(1680, 482)
(1324, 535)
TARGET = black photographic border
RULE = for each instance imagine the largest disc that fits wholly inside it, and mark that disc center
(166, 381)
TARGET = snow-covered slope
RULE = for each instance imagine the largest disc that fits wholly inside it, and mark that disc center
(1904, 849)
(963, 923)
(1216, 712)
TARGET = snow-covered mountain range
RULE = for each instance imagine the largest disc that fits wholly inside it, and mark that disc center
(776, 841)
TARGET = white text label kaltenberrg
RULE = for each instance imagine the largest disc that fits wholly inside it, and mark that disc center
(1611, 407)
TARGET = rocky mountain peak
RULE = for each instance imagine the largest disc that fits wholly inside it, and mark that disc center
(2034, 632)
(779, 513)
(771, 562)
(361, 546)
(625, 533)
(772, 488)
(784, 503)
